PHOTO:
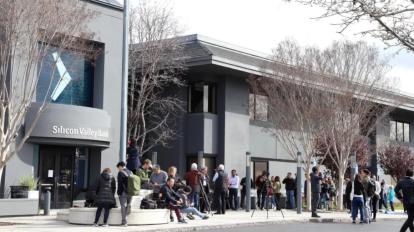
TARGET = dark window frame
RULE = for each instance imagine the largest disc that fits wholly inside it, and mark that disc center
(255, 115)
(394, 131)
(208, 97)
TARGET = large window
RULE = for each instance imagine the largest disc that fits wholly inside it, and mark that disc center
(400, 131)
(66, 78)
(258, 107)
(202, 97)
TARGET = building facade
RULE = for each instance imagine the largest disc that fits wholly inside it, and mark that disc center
(78, 133)
(224, 119)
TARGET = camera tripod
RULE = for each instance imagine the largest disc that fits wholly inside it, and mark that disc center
(204, 195)
(267, 200)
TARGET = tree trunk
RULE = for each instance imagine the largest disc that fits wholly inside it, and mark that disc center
(339, 203)
(308, 193)
(1, 175)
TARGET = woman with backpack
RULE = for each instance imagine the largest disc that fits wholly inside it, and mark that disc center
(105, 195)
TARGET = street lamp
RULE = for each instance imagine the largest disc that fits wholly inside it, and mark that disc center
(299, 184)
(248, 182)
(124, 90)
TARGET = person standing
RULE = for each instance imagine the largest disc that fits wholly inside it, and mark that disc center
(315, 179)
(221, 184)
(391, 197)
(205, 182)
(358, 198)
(234, 190)
(324, 194)
(105, 199)
(122, 191)
(133, 157)
(405, 193)
(192, 179)
(243, 191)
(259, 187)
(290, 187)
(375, 199)
(383, 196)
(277, 190)
(348, 190)
(369, 187)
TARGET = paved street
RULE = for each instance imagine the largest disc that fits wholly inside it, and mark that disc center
(386, 226)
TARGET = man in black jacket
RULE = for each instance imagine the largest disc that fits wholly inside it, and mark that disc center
(221, 184)
(172, 199)
(124, 199)
(316, 190)
(290, 187)
(243, 191)
(406, 186)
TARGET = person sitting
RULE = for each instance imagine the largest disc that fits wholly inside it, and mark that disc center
(157, 180)
(144, 173)
(172, 199)
(185, 208)
(105, 195)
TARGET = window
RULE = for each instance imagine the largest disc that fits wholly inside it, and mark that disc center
(66, 78)
(258, 107)
(202, 97)
(400, 131)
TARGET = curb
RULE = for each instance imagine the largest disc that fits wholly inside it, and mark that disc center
(261, 223)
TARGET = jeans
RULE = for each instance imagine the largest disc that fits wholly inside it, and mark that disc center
(234, 201)
(192, 210)
(271, 200)
(367, 210)
(315, 201)
(409, 222)
(324, 199)
(124, 201)
(195, 199)
(262, 200)
(106, 213)
(392, 205)
(290, 198)
(358, 204)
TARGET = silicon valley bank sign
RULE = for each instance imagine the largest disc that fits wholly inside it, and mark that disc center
(86, 132)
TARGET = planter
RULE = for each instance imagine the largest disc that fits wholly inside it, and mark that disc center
(19, 191)
(34, 194)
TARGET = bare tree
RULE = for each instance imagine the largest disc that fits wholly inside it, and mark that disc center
(392, 21)
(28, 30)
(156, 64)
(332, 96)
(395, 159)
(293, 106)
(353, 104)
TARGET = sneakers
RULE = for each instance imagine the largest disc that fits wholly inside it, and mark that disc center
(182, 221)
(190, 216)
(124, 224)
(105, 225)
(205, 217)
(95, 225)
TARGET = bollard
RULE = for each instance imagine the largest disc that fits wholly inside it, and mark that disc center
(200, 160)
(248, 182)
(154, 157)
(46, 203)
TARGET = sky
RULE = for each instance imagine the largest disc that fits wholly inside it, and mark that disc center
(259, 25)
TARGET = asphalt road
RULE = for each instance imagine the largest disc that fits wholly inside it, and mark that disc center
(386, 226)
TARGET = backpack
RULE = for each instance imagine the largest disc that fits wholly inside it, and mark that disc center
(148, 204)
(134, 185)
(371, 188)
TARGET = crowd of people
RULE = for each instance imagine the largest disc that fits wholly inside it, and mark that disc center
(198, 193)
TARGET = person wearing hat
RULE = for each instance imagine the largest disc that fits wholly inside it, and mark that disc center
(157, 180)
(221, 186)
(192, 179)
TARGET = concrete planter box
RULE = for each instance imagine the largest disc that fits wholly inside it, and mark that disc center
(19, 207)
(86, 216)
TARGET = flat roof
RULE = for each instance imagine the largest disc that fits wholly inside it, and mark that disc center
(202, 50)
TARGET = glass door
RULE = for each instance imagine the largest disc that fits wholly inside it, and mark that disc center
(56, 170)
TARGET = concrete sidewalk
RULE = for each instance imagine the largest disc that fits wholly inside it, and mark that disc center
(230, 220)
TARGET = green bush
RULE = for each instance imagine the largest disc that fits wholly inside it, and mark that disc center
(29, 181)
